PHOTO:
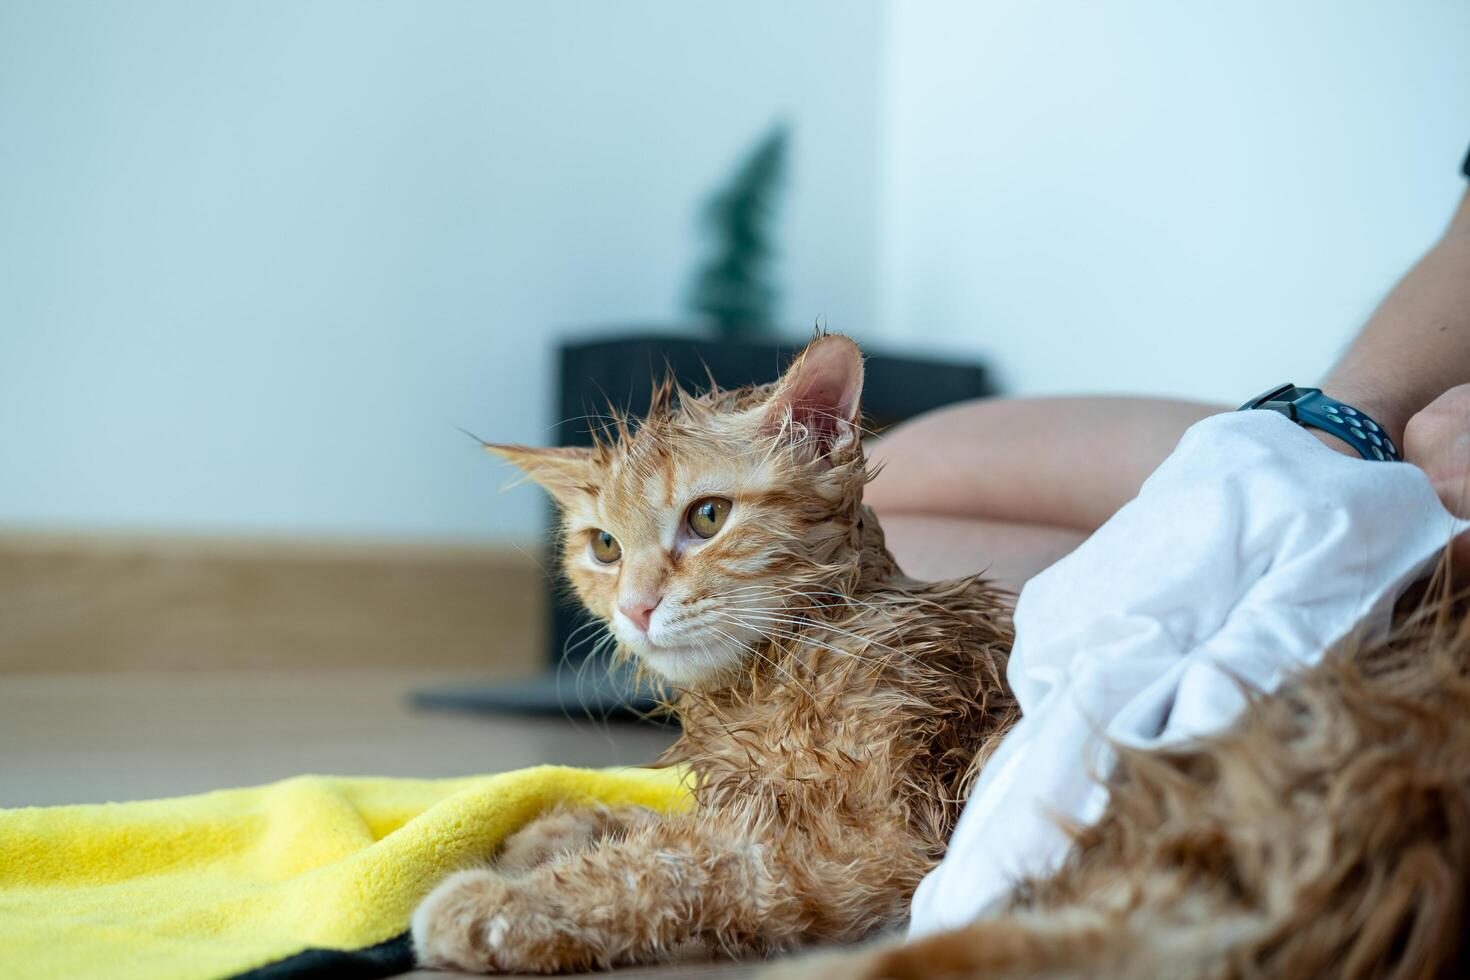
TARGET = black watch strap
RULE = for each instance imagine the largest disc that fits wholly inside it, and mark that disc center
(1309, 407)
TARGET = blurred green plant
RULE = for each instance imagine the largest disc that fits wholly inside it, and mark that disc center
(735, 287)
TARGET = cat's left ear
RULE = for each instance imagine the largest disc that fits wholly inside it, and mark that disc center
(818, 397)
(565, 471)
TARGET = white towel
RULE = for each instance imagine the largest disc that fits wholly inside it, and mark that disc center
(1249, 552)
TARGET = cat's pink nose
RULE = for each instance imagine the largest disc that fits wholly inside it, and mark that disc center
(639, 609)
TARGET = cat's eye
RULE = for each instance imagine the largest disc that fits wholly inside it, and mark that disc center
(605, 547)
(708, 515)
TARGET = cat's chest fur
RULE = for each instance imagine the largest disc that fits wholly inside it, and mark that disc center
(879, 705)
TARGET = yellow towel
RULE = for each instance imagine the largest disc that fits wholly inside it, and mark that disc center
(214, 885)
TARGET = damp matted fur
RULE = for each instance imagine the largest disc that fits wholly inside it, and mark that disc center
(1327, 834)
(834, 711)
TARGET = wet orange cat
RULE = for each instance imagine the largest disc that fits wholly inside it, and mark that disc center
(834, 711)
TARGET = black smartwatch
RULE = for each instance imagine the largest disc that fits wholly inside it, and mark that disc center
(1310, 408)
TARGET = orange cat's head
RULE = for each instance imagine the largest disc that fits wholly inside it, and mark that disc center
(696, 533)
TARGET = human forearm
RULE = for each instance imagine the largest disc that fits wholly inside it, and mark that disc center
(1417, 343)
(935, 546)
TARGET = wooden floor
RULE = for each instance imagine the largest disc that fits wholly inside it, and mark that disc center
(88, 738)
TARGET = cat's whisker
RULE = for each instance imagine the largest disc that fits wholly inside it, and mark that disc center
(817, 591)
(594, 656)
(775, 628)
(585, 635)
(756, 652)
(845, 600)
(589, 625)
(785, 615)
(807, 641)
(805, 623)
(582, 636)
(819, 624)
(874, 663)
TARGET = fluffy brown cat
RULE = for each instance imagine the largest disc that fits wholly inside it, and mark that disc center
(834, 711)
(1326, 835)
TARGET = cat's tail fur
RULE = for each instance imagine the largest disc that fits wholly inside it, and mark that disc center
(1326, 834)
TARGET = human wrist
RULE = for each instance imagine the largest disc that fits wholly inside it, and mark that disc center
(1334, 421)
(1336, 443)
(1374, 401)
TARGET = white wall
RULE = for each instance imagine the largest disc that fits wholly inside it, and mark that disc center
(1165, 197)
(258, 260)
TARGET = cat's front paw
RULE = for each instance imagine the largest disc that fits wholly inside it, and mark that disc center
(553, 834)
(483, 922)
(565, 830)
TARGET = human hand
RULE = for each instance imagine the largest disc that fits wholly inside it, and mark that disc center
(1437, 440)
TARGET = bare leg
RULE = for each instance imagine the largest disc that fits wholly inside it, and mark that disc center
(1064, 462)
(1009, 486)
(933, 548)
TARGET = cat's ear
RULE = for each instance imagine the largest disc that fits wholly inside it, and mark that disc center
(565, 472)
(817, 399)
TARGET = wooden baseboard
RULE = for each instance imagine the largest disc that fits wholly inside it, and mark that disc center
(113, 602)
